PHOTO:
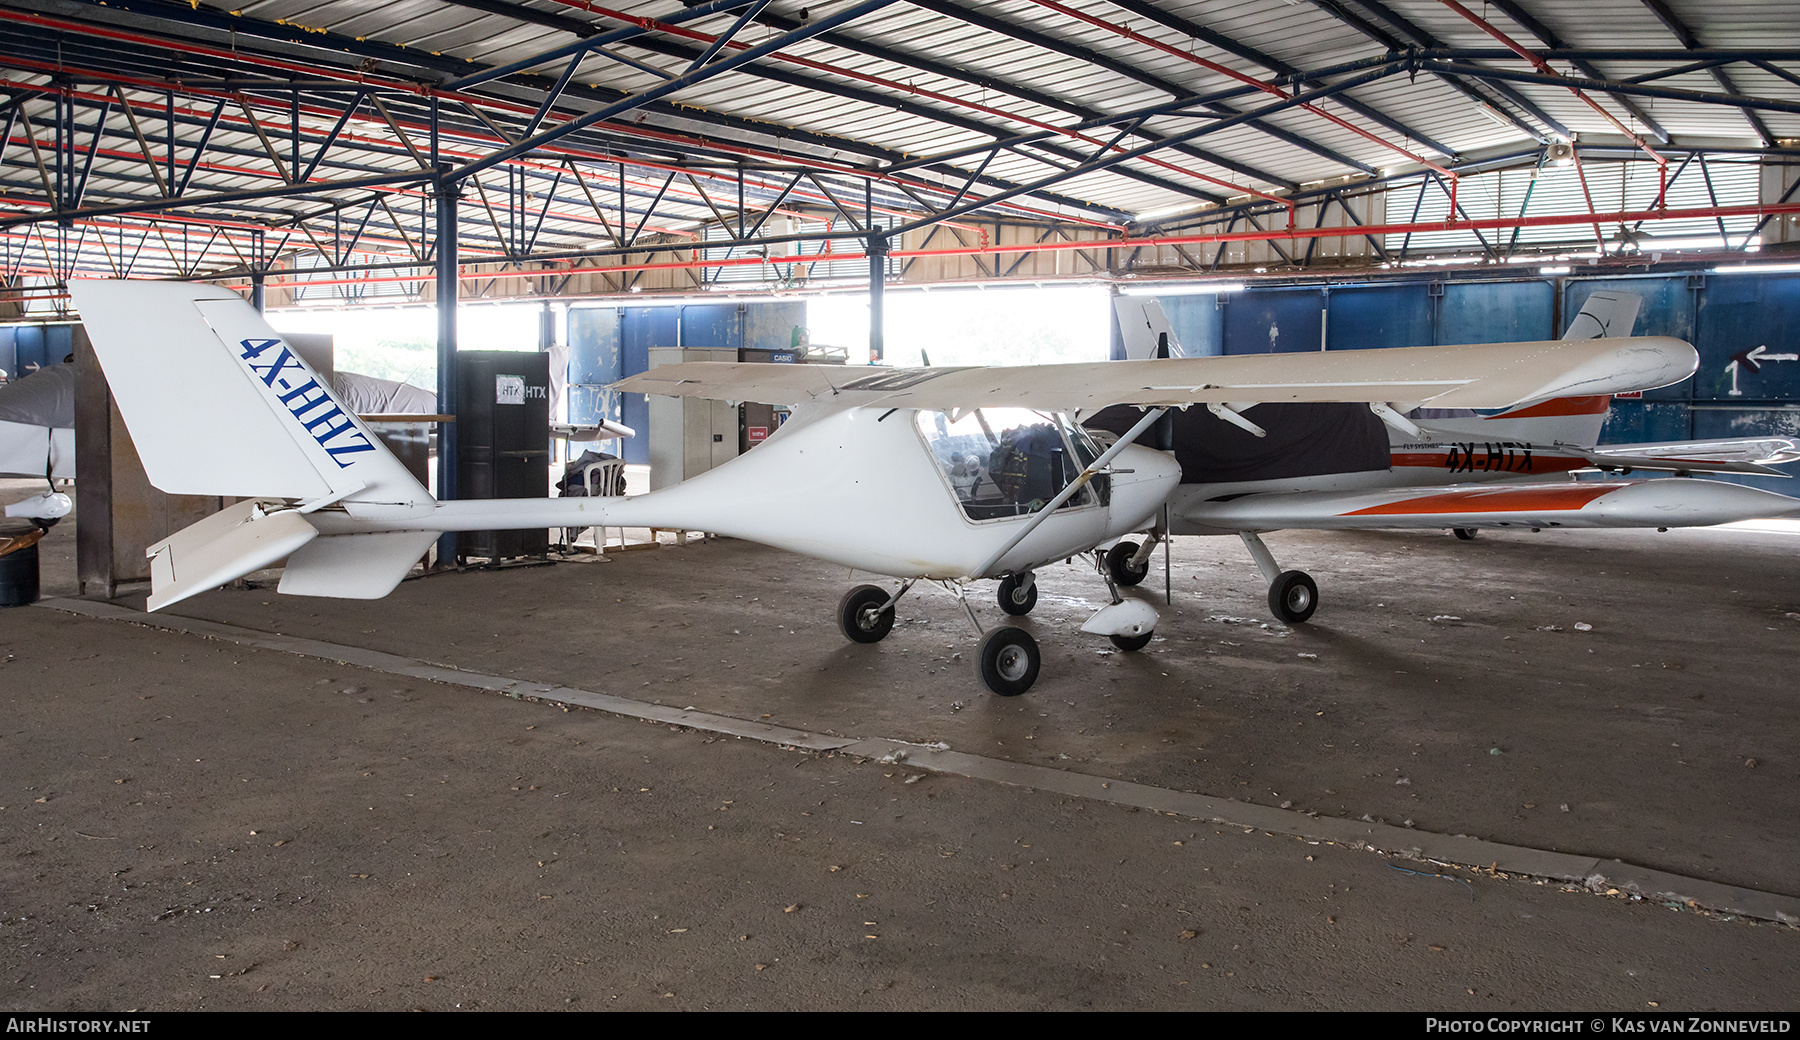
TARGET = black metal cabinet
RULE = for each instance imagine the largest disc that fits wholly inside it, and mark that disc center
(503, 442)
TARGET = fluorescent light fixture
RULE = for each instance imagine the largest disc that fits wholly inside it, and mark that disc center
(1710, 242)
(1170, 211)
(1757, 269)
(1563, 269)
(1180, 288)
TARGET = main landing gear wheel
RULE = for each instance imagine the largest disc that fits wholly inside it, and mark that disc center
(1015, 600)
(1293, 596)
(1118, 564)
(1128, 643)
(1465, 534)
(1009, 661)
(861, 617)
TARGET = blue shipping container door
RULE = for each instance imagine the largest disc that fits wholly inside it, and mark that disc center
(1644, 421)
(1749, 349)
(1198, 322)
(770, 326)
(640, 329)
(1274, 321)
(595, 361)
(35, 346)
(1497, 312)
(711, 325)
(1375, 316)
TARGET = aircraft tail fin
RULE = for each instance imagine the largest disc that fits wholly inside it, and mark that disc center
(1605, 313)
(1145, 328)
(218, 404)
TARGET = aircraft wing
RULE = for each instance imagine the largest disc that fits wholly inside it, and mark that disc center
(1487, 375)
(1732, 455)
(1672, 502)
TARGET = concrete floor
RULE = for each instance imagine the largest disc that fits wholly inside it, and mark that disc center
(193, 822)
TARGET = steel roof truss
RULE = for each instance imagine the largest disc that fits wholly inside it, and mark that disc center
(388, 118)
(1691, 42)
(330, 138)
(162, 187)
(660, 192)
(656, 93)
(268, 147)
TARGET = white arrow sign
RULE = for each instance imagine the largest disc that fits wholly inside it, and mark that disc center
(1755, 357)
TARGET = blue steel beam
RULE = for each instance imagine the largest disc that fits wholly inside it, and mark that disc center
(1105, 161)
(1422, 38)
(1691, 42)
(1615, 86)
(994, 24)
(663, 90)
(580, 48)
(1145, 9)
(1547, 36)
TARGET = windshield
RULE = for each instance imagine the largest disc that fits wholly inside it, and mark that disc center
(1004, 462)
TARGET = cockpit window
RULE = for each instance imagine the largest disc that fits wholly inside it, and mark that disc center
(1004, 462)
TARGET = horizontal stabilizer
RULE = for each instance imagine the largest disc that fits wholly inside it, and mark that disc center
(223, 547)
(354, 566)
(1673, 502)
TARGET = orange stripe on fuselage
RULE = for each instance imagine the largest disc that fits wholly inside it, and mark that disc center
(1560, 406)
(1537, 463)
(1495, 500)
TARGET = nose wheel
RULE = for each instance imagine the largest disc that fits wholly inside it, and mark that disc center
(1119, 564)
(1018, 594)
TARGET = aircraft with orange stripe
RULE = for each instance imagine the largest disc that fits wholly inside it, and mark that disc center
(1270, 467)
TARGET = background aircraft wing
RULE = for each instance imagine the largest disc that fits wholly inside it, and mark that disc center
(1672, 502)
(1487, 375)
(1732, 455)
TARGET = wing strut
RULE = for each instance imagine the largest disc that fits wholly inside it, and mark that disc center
(1094, 468)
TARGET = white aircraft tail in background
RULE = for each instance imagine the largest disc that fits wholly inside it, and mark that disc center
(1605, 313)
(1145, 329)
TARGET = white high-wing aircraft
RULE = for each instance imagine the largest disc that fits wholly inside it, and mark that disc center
(1327, 467)
(940, 474)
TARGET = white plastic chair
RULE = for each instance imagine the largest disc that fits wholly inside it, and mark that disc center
(609, 475)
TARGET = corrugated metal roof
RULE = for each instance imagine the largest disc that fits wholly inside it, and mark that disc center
(930, 78)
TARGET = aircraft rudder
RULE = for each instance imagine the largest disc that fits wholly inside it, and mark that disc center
(219, 404)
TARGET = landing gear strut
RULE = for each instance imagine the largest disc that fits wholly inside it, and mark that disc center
(1293, 595)
(1128, 624)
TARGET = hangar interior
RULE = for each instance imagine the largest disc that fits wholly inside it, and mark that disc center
(1583, 711)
